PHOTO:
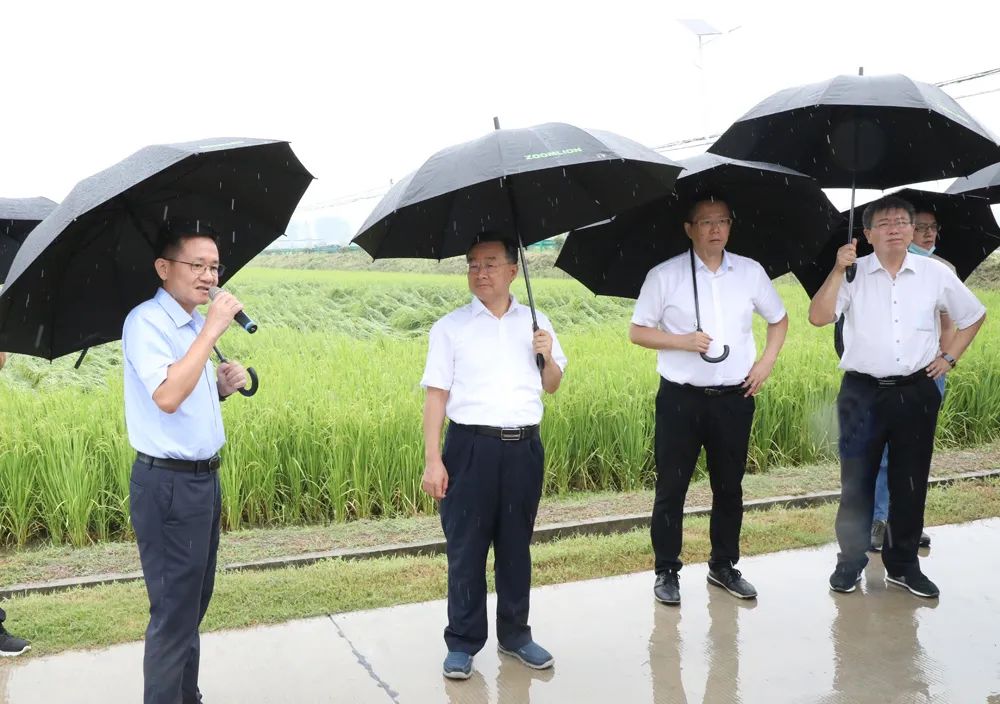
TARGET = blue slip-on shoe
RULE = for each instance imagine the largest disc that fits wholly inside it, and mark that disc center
(457, 665)
(531, 654)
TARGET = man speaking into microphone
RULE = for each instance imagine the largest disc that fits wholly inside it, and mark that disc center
(174, 420)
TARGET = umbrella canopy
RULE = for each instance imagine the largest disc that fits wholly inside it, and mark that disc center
(781, 218)
(969, 233)
(528, 184)
(81, 271)
(984, 183)
(863, 131)
(18, 217)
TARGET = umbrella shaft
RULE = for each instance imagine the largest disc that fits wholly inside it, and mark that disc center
(527, 282)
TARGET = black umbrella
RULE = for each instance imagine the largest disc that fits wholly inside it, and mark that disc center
(985, 183)
(781, 218)
(18, 217)
(81, 271)
(528, 184)
(969, 233)
(863, 132)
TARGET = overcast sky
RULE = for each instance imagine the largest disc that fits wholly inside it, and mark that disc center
(365, 91)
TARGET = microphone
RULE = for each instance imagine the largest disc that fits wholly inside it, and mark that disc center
(242, 318)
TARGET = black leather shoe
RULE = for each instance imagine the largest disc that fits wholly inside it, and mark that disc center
(730, 579)
(667, 588)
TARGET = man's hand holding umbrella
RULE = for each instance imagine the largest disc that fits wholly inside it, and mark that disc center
(542, 344)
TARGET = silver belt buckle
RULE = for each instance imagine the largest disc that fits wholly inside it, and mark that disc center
(510, 434)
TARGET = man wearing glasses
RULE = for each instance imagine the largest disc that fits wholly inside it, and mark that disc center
(481, 373)
(704, 401)
(888, 396)
(925, 234)
(174, 421)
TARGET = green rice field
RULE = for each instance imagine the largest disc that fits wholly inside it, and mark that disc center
(335, 431)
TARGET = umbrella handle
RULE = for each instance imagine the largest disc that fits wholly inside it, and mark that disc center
(851, 272)
(697, 316)
(716, 360)
(539, 359)
(254, 383)
(251, 372)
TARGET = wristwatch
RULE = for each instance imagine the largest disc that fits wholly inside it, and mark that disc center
(949, 359)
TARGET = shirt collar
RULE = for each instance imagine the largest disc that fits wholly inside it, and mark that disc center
(727, 263)
(173, 308)
(873, 263)
(478, 308)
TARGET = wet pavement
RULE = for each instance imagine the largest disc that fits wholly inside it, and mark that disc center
(798, 642)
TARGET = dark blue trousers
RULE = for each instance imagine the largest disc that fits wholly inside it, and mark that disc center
(492, 498)
(175, 516)
(904, 418)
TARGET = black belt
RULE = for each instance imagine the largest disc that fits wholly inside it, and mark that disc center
(513, 434)
(708, 390)
(888, 382)
(195, 466)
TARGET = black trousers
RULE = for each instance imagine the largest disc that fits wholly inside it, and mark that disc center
(904, 417)
(492, 498)
(175, 516)
(687, 420)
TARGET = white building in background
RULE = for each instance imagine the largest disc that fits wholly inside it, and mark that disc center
(314, 226)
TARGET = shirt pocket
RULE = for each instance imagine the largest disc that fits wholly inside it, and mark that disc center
(926, 322)
(744, 310)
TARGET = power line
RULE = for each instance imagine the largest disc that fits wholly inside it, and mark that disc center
(973, 95)
(970, 77)
(686, 143)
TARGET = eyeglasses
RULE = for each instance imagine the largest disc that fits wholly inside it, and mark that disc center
(490, 268)
(198, 268)
(709, 224)
(886, 224)
(927, 227)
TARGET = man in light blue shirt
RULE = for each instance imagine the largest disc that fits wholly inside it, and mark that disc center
(174, 422)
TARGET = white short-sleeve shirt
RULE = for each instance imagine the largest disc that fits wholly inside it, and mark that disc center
(892, 327)
(727, 298)
(488, 366)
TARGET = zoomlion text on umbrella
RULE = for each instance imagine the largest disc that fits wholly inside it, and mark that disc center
(542, 155)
